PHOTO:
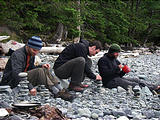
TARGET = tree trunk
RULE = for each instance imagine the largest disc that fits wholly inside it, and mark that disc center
(148, 31)
(77, 39)
(53, 50)
(65, 33)
(130, 31)
(137, 4)
(58, 35)
(4, 47)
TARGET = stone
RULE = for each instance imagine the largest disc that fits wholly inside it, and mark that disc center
(146, 91)
(156, 73)
(157, 114)
(5, 89)
(94, 115)
(122, 118)
(148, 114)
(23, 74)
(85, 112)
(130, 90)
(114, 90)
(120, 89)
(3, 112)
(96, 111)
(101, 114)
(127, 111)
(142, 77)
(118, 113)
(15, 117)
(109, 117)
(65, 83)
(64, 110)
(142, 103)
(107, 112)
(33, 118)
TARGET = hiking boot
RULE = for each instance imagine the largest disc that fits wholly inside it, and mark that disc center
(157, 90)
(76, 88)
(65, 95)
(84, 86)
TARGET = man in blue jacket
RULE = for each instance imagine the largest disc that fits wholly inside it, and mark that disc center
(22, 60)
(73, 62)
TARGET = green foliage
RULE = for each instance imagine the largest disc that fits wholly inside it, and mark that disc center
(94, 24)
(109, 21)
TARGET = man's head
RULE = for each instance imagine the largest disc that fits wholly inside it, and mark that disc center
(114, 50)
(94, 48)
(34, 45)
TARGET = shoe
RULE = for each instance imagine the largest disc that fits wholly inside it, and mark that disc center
(157, 90)
(65, 95)
(84, 86)
(76, 88)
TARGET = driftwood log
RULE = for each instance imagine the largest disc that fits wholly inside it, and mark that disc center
(4, 38)
(15, 45)
(54, 50)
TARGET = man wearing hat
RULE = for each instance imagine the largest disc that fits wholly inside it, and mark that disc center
(112, 71)
(22, 60)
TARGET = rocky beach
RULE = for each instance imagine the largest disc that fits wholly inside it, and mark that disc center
(105, 104)
(98, 103)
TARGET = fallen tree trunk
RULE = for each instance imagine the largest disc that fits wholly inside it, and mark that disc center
(54, 50)
(15, 45)
(11, 44)
(4, 38)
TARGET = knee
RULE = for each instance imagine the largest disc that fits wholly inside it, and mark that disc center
(40, 70)
(81, 60)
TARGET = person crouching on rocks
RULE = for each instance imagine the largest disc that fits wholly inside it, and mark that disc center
(22, 60)
(112, 71)
(73, 62)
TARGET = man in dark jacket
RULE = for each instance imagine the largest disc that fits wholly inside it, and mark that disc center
(112, 75)
(72, 62)
(22, 60)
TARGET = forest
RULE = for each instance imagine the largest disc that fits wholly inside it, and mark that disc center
(126, 22)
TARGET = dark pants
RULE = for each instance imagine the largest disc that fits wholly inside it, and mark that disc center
(73, 68)
(41, 76)
(125, 82)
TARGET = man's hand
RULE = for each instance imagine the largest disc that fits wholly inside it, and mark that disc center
(120, 66)
(46, 66)
(33, 92)
(98, 77)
